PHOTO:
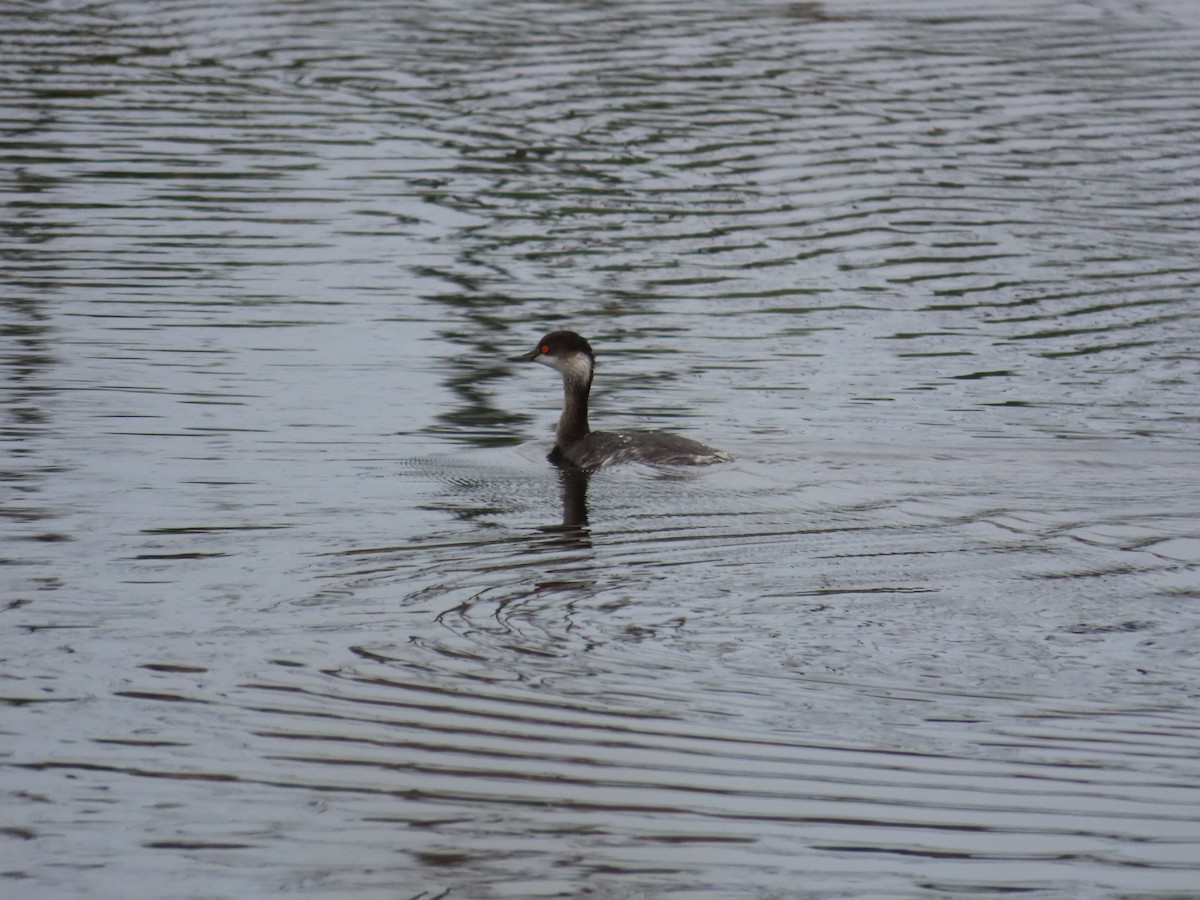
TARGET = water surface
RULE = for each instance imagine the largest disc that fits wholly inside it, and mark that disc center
(292, 601)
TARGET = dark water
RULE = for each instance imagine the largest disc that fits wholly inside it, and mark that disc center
(292, 602)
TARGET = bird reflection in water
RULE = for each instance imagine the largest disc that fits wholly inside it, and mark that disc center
(573, 483)
(573, 533)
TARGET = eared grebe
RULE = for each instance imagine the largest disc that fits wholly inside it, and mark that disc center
(577, 444)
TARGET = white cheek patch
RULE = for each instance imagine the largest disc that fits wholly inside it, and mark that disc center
(576, 367)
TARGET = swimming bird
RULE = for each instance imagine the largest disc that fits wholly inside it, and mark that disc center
(575, 443)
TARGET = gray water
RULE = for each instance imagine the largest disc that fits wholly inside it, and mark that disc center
(293, 603)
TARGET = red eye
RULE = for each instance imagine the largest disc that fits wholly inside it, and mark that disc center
(545, 348)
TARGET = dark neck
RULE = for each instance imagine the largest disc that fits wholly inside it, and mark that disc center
(573, 423)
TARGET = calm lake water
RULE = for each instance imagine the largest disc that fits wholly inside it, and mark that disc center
(292, 602)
